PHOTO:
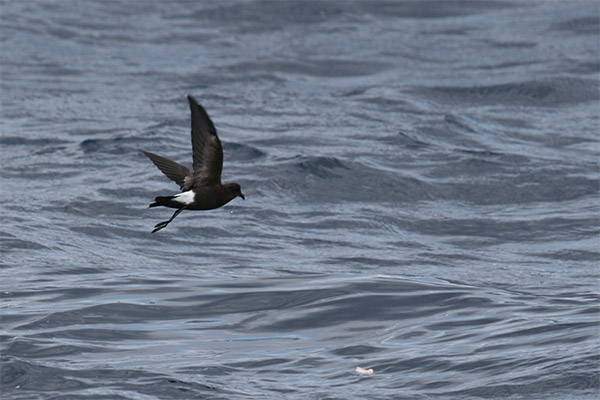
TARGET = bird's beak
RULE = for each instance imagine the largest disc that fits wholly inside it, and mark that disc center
(242, 195)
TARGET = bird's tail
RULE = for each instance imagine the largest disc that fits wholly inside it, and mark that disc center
(165, 201)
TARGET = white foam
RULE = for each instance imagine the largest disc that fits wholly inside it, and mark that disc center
(363, 371)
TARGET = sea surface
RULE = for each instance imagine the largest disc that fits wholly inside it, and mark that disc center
(422, 199)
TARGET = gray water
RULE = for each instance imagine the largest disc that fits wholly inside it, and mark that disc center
(422, 198)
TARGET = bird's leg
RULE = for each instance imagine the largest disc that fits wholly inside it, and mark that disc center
(161, 225)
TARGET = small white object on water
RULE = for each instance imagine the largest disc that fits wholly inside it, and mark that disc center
(363, 371)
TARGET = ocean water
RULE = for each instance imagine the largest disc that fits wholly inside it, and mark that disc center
(422, 199)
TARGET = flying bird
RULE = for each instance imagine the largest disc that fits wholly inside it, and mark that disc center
(201, 189)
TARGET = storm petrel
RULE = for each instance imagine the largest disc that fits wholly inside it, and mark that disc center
(201, 189)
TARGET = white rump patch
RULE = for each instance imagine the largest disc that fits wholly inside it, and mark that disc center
(185, 197)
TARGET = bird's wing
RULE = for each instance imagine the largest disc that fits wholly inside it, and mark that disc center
(206, 147)
(175, 172)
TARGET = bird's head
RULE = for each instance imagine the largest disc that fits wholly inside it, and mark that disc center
(235, 190)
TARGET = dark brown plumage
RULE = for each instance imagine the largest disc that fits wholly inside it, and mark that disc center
(201, 189)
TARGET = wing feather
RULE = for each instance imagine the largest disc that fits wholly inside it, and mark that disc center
(206, 147)
(174, 171)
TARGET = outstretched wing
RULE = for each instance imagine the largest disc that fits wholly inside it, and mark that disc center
(206, 147)
(175, 172)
